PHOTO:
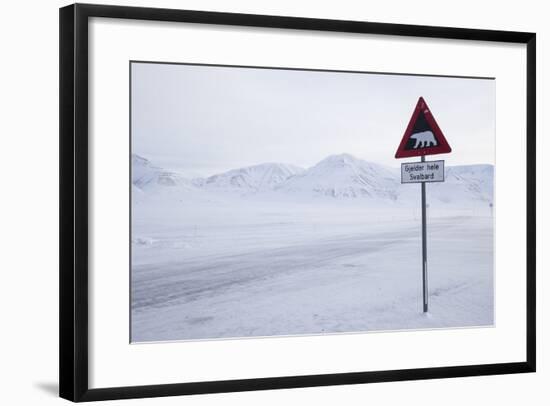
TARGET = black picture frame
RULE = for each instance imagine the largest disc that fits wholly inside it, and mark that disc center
(74, 171)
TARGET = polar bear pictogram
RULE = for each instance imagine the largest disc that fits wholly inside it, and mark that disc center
(424, 139)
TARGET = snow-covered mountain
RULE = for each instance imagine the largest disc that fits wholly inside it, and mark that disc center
(465, 182)
(147, 176)
(255, 178)
(335, 177)
(344, 176)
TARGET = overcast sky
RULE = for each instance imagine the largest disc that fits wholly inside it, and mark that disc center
(203, 120)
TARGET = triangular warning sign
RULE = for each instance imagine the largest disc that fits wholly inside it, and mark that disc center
(422, 136)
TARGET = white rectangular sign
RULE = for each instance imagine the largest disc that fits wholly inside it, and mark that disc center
(429, 171)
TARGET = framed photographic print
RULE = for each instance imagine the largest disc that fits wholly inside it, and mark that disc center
(257, 202)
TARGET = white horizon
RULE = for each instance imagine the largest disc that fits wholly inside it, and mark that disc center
(396, 168)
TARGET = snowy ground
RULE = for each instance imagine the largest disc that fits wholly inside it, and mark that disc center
(218, 270)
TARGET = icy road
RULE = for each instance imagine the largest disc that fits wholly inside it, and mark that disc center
(334, 272)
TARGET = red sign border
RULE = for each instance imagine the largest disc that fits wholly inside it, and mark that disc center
(442, 148)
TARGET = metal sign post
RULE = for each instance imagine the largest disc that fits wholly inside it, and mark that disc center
(424, 246)
(423, 172)
(423, 137)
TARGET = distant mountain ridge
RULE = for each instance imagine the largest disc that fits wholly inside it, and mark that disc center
(145, 175)
(256, 178)
(341, 176)
(345, 176)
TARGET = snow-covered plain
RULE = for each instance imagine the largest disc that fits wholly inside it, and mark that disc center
(280, 250)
